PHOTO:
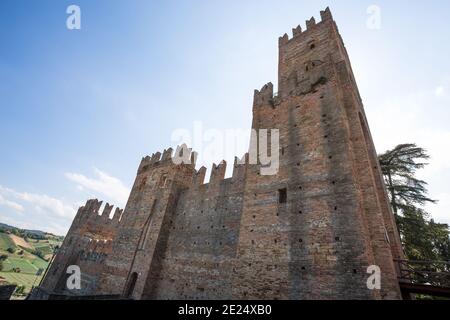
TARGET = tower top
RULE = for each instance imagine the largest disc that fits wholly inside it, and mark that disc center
(325, 15)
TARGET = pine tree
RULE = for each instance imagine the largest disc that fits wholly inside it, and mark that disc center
(399, 167)
(423, 239)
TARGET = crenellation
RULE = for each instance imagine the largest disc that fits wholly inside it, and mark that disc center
(240, 168)
(297, 31)
(218, 172)
(283, 40)
(300, 233)
(117, 217)
(167, 154)
(107, 211)
(156, 157)
(311, 23)
(199, 177)
(264, 96)
(326, 15)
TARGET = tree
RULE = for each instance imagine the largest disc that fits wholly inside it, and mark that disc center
(441, 240)
(422, 238)
(399, 167)
(413, 223)
(20, 291)
(39, 253)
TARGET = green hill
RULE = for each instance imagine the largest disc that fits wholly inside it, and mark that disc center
(6, 242)
(25, 255)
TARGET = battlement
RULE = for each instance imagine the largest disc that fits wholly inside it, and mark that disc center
(182, 155)
(89, 215)
(310, 25)
(185, 156)
(263, 96)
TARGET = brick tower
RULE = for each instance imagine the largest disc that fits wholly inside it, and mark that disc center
(331, 218)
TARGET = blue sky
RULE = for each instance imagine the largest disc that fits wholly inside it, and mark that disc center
(79, 108)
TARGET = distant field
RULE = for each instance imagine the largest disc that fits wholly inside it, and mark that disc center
(44, 247)
(25, 258)
(24, 264)
(20, 242)
(6, 242)
(21, 279)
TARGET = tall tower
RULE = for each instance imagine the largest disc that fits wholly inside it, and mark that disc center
(140, 243)
(312, 230)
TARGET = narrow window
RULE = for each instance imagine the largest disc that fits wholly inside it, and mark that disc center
(131, 285)
(146, 229)
(163, 181)
(282, 195)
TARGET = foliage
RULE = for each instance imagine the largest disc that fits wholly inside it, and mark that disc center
(399, 167)
(20, 290)
(423, 239)
(39, 253)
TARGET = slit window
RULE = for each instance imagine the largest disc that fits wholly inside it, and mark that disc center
(282, 195)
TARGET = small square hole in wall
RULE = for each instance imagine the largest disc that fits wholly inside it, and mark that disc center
(282, 195)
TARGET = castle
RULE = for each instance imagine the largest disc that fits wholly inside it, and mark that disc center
(308, 232)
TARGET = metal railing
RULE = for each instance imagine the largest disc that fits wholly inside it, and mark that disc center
(432, 273)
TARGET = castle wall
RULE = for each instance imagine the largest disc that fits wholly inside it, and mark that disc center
(201, 245)
(307, 232)
(87, 245)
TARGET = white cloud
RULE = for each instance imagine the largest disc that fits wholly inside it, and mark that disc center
(439, 91)
(11, 204)
(41, 203)
(103, 184)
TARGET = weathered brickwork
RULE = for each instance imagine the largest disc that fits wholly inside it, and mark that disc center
(87, 244)
(308, 232)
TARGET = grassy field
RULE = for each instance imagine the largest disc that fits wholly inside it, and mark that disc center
(45, 247)
(25, 258)
(21, 279)
(6, 242)
(24, 264)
